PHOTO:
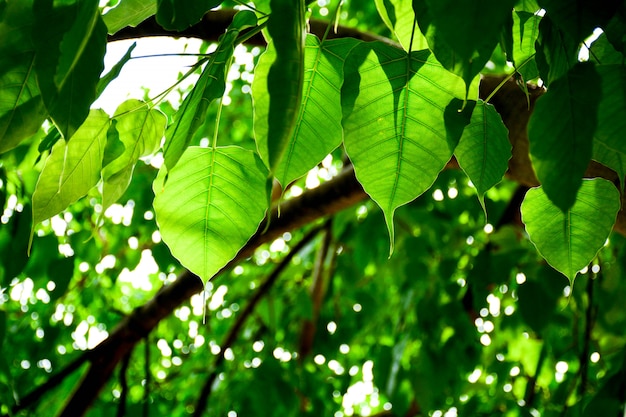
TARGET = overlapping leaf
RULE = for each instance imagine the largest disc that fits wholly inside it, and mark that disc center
(72, 168)
(211, 204)
(180, 14)
(69, 59)
(318, 128)
(128, 13)
(21, 108)
(140, 129)
(570, 239)
(525, 33)
(484, 149)
(399, 17)
(561, 131)
(557, 52)
(211, 85)
(394, 127)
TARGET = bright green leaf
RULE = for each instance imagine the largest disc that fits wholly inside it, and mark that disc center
(484, 149)
(608, 145)
(128, 13)
(570, 240)
(318, 126)
(399, 17)
(140, 129)
(525, 33)
(462, 34)
(180, 14)
(560, 133)
(285, 77)
(211, 204)
(69, 60)
(72, 169)
(395, 133)
(211, 85)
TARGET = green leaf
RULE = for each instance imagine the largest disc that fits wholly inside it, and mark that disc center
(394, 129)
(140, 129)
(21, 108)
(525, 33)
(579, 18)
(318, 128)
(115, 71)
(72, 169)
(213, 201)
(604, 53)
(285, 78)
(128, 13)
(608, 145)
(69, 59)
(484, 149)
(560, 132)
(569, 240)
(462, 34)
(61, 271)
(399, 17)
(211, 85)
(556, 51)
(615, 30)
(180, 14)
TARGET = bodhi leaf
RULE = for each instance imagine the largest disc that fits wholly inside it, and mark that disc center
(608, 144)
(140, 129)
(525, 33)
(317, 130)
(560, 133)
(569, 240)
(72, 169)
(180, 14)
(210, 86)
(213, 201)
(484, 149)
(556, 53)
(394, 129)
(69, 60)
(128, 13)
(21, 108)
(285, 78)
(399, 17)
(462, 34)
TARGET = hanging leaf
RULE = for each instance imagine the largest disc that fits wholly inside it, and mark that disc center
(178, 15)
(569, 240)
(69, 60)
(317, 130)
(484, 149)
(211, 85)
(608, 144)
(212, 203)
(21, 108)
(525, 33)
(557, 52)
(285, 77)
(579, 18)
(140, 129)
(395, 133)
(560, 133)
(72, 169)
(399, 17)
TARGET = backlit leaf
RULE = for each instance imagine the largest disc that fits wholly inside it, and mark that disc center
(561, 131)
(525, 33)
(128, 13)
(569, 240)
(399, 17)
(211, 204)
(72, 169)
(395, 133)
(484, 149)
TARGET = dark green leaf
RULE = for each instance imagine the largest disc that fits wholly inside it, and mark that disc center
(579, 18)
(115, 71)
(61, 272)
(557, 52)
(180, 14)
(561, 131)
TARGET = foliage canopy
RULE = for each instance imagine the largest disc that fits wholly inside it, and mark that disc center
(357, 209)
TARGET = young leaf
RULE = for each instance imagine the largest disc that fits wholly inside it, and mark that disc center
(569, 240)
(211, 204)
(285, 78)
(560, 133)
(140, 129)
(399, 17)
(394, 128)
(69, 59)
(318, 128)
(484, 149)
(72, 169)
(608, 144)
(21, 108)
(128, 13)
(211, 85)
(525, 33)
(180, 14)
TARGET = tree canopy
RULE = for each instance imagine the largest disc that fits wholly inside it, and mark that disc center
(373, 208)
